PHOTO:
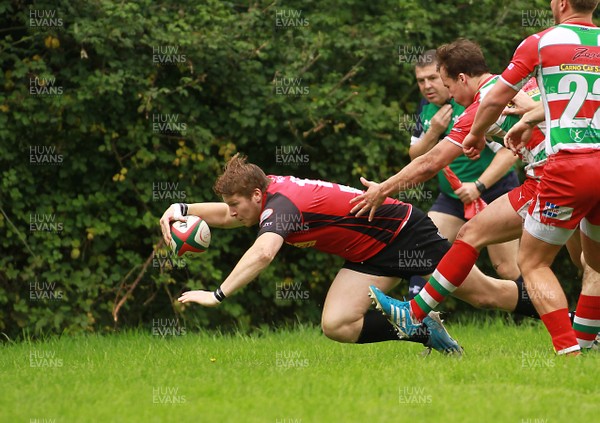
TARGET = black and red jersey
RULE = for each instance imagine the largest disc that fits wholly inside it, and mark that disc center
(311, 213)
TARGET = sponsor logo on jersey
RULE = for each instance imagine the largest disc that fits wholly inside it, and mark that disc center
(277, 179)
(265, 215)
(572, 67)
(577, 134)
(554, 211)
(583, 52)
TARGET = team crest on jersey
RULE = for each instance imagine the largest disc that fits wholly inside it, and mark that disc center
(265, 215)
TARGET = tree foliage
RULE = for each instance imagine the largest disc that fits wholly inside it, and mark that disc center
(110, 111)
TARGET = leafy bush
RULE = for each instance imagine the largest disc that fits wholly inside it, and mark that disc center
(110, 111)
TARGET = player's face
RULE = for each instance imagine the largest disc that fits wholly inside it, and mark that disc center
(245, 209)
(458, 88)
(430, 84)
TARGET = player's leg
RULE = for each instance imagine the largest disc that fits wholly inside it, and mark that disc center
(567, 198)
(346, 307)
(504, 259)
(448, 224)
(498, 222)
(346, 315)
(535, 258)
(575, 251)
(503, 255)
(586, 322)
(485, 292)
(590, 241)
(587, 315)
(447, 215)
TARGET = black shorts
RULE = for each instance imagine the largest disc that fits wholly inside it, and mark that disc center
(453, 206)
(416, 251)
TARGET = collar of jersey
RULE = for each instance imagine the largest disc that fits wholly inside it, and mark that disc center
(477, 94)
(589, 25)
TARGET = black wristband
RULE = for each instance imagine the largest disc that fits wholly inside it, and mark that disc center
(184, 209)
(480, 186)
(219, 294)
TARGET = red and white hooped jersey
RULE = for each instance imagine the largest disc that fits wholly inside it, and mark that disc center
(565, 59)
(534, 153)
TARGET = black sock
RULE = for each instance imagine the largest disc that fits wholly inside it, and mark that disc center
(524, 305)
(376, 328)
(415, 284)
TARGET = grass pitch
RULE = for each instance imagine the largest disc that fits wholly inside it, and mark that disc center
(508, 374)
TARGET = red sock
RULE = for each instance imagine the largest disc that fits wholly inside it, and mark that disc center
(587, 320)
(451, 272)
(563, 336)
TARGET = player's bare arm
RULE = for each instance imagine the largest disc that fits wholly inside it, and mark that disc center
(520, 133)
(253, 262)
(489, 110)
(419, 170)
(216, 215)
(503, 161)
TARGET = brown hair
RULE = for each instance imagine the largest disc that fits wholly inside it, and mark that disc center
(584, 6)
(240, 177)
(461, 56)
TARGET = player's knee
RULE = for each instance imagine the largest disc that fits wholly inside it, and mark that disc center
(336, 330)
(591, 259)
(330, 328)
(484, 302)
(471, 234)
(507, 269)
(594, 265)
(525, 265)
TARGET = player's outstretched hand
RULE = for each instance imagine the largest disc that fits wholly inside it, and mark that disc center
(369, 200)
(472, 146)
(518, 136)
(172, 213)
(205, 298)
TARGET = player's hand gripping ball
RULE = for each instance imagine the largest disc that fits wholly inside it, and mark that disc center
(191, 236)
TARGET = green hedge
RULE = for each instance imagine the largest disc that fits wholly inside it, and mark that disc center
(110, 111)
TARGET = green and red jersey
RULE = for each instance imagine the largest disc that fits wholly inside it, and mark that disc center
(467, 170)
(565, 59)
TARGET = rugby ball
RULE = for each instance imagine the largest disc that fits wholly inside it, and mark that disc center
(191, 236)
